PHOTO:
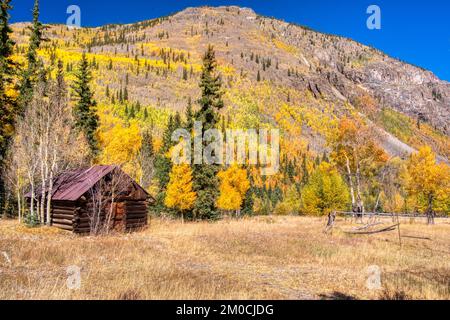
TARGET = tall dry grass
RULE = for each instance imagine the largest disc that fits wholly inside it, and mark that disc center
(257, 258)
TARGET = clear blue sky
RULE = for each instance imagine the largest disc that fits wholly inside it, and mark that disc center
(417, 32)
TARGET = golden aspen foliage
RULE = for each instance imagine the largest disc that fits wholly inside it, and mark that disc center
(355, 142)
(180, 194)
(325, 191)
(120, 144)
(428, 181)
(356, 153)
(234, 185)
(395, 203)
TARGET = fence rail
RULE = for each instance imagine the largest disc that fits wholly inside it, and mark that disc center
(386, 214)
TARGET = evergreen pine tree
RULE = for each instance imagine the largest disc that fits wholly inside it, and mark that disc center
(163, 165)
(206, 183)
(125, 94)
(85, 110)
(162, 162)
(177, 123)
(120, 96)
(61, 88)
(147, 155)
(247, 205)
(317, 161)
(7, 103)
(185, 74)
(223, 126)
(29, 75)
(325, 157)
(132, 113)
(36, 38)
(305, 174)
(189, 125)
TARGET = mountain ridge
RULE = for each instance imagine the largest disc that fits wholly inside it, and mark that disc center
(301, 66)
(255, 13)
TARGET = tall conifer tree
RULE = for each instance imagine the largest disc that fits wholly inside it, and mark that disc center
(206, 183)
(147, 155)
(189, 125)
(30, 74)
(163, 165)
(7, 102)
(85, 110)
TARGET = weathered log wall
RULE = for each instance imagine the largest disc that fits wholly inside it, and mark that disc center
(128, 215)
(63, 214)
(135, 214)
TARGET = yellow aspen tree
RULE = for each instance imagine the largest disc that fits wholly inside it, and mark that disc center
(120, 144)
(325, 191)
(180, 194)
(234, 184)
(429, 182)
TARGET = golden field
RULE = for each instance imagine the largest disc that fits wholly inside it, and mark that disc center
(254, 258)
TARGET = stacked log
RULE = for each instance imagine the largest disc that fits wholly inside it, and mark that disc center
(63, 214)
(84, 217)
(82, 222)
(120, 217)
(136, 214)
(129, 215)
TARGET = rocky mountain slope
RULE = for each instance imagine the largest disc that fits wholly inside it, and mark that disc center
(274, 72)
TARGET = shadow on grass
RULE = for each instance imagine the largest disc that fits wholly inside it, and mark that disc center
(336, 296)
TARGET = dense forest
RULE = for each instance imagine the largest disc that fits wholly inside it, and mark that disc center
(65, 103)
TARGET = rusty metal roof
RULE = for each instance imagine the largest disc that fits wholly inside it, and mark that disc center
(71, 185)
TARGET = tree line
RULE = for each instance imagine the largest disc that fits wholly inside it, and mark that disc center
(49, 126)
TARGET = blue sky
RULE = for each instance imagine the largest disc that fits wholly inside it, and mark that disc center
(417, 32)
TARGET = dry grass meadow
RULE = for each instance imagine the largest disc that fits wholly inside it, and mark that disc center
(255, 258)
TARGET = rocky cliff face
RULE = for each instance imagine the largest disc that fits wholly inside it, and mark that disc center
(352, 68)
(331, 66)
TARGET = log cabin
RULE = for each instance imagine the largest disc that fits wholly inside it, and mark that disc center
(87, 200)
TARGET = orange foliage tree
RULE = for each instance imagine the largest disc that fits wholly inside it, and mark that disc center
(357, 154)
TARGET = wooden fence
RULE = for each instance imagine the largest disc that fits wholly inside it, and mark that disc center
(386, 214)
